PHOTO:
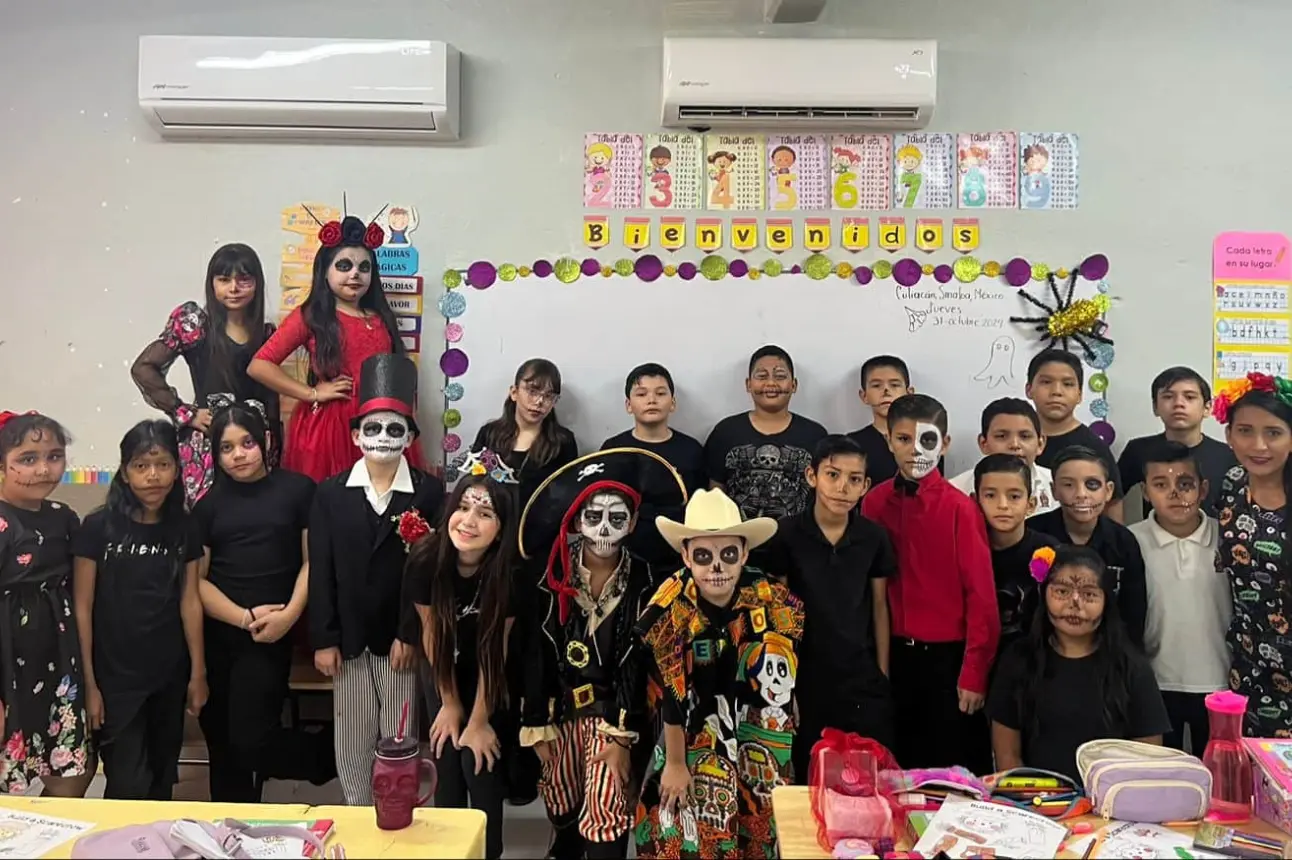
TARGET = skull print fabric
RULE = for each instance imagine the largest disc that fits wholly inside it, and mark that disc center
(1252, 554)
(763, 475)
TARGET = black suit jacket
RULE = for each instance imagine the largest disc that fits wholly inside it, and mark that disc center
(357, 564)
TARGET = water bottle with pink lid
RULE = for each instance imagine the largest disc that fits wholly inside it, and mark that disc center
(1226, 758)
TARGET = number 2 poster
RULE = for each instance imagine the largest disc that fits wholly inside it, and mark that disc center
(988, 170)
(612, 177)
(924, 171)
(796, 172)
(860, 166)
(734, 165)
(672, 171)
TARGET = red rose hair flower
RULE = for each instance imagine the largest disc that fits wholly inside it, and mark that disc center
(412, 527)
(330, 234)
(375, 237)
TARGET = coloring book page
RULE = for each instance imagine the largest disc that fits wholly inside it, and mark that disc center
(612, 176)
(23, 834)
(1125, 840)
(972, 828)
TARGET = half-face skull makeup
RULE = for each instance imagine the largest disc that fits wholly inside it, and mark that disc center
(383, 436)
(604, 521)
(928, 447)
(715, 564)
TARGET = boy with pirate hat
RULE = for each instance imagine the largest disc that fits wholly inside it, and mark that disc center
(721, 641)
(585, 695)
(361, 527)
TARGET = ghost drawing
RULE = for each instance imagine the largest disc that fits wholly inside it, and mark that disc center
(1000, 365)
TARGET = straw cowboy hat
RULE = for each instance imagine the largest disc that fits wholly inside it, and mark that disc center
(711, 513)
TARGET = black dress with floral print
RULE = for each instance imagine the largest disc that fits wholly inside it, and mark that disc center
(1252, 554)
(40, 657)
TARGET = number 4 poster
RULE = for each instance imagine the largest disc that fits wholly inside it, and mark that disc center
(796, 172)
(735, 170)
(860, 167)
(612, 177)
(673, 171)
(1251, 276)
(924, 171)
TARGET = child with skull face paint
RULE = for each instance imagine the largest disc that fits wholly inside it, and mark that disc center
(584, 708)
(722, 641)
(361, 527)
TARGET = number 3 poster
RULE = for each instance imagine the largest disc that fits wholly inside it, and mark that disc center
(612, 177)
(796, 172)
(735, 170)
(672, 171)
(924, 171)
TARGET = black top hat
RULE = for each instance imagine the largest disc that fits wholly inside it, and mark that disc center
(387, 383)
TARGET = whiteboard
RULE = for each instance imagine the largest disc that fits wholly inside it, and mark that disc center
(956, 337)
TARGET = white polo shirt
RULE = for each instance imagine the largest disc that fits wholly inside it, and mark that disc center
(1189, 604)
(1042, 488)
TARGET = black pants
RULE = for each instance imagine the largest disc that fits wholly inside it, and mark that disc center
(1187, 709)
(871, 718)
(243, 719)
(932, 731)
(458, 786)
(523, 766)
(141, 755)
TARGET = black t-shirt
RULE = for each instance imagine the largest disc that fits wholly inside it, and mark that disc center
(254, 533)
(880, 463)
(1070, 707)
(1086, 438)
(139, 581)
(528, 474)
(1017, 592)
(1214, 457)
(686, 455)
(763, 474)
(837, 662)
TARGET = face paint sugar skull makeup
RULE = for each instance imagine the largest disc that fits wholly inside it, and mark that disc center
(715, 565)
(604, 522)
(383, 436)
(928, 447)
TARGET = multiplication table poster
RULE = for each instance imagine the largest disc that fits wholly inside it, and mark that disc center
(988, 170)
(734, 166)
(1251, 278)
(796, 172)
(861, 168)
(672, 171)
(1050, 170)
(612, 171)
(924, 171)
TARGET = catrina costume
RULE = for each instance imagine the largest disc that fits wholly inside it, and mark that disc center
(585, 679)
(725, 674)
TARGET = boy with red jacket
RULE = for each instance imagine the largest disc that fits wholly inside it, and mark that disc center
(943, 600)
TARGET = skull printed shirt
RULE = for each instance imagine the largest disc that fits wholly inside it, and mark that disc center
(1252, 553)
(763, 474)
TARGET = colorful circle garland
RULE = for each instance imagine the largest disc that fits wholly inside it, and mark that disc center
(452, 305)
(453, 392)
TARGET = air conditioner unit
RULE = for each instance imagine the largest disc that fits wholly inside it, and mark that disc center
(223, 87)
(810, 84)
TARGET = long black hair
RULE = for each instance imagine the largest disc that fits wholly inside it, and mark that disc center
(123, 505)
(239, 415)
(435, 559)
(232, 261)
(1269, 402)
(319, 312)
(500, 434)
(1112, 654)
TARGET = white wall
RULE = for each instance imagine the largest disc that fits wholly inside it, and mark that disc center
(1183, 109)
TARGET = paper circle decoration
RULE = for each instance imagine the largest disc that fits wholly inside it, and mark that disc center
(453, 332)
(1094, 267)
(566, 270)
(882, 269)
(738, 268)
(452, 305)
(967, 269)
(1099, 407)
(590, 267)
(481, 274)
(907, 272)
(713, 267)
(452, 279)
(1098, 383)
(453, 392)
(686, 271)
(773, 267)
(1104, 431)
(451, 442)
(648, 268)
(623, 267)
(863, 274)
(943, 273)
(452, 418)
(818, 267)
(1103, 354)
(454, 362)
(542, 269)
(1017, 272)
(1102, 286)
(1040, 271)
(507, 272)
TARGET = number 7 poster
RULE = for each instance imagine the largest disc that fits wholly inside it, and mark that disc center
(924, 171)
(672, 170)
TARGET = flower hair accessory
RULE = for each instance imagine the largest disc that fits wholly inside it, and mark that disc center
(350, 231)
(482, 462)
(6, 417)
(412, 527)
(1228, 396)
(1042, 561)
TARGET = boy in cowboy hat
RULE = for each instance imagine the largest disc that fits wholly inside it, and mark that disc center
(585, 700)
(721, 640)
(359, 531)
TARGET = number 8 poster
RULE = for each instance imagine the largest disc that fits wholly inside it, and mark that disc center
(735, 169)
(796, 172)
(672, 171)
(924, 171)
(612, 177)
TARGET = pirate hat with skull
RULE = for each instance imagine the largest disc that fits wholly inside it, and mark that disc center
(592, 501)
(387, 393)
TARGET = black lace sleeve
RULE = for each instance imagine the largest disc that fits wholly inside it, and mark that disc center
(184, 330)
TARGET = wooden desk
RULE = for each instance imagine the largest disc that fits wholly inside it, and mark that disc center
(796, 828)
(435, 833)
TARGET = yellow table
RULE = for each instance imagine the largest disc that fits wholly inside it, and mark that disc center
(796, 828)
(435, 833)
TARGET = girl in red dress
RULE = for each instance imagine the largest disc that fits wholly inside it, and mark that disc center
(344, 320)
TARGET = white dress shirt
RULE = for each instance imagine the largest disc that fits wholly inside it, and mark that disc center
(359, 477)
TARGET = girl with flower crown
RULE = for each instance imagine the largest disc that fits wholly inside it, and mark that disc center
(1254, 552)
(344, 320)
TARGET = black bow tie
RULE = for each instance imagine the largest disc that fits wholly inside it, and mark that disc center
(906, 486)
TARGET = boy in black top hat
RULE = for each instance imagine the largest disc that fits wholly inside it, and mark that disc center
(585, 700)
(361, 527)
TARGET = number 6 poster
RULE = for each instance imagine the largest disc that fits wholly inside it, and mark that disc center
(672, 171)
(612, 176)
(924, 171)
(735, 169)
(860, 166)
(796, 172)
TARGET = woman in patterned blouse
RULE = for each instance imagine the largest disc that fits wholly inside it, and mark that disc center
(1253, 552)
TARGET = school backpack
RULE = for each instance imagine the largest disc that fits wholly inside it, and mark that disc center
(187, 839)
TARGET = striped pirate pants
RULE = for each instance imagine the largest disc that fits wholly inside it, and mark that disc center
(367, 700)
(573, 782)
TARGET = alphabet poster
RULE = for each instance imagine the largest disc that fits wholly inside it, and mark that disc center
(796, 172)
(860, 167)
(1051, 166)
(924, 171)
(988, 170)
(1251, 276)
(672, 171)
(612, 176)
(734, 164)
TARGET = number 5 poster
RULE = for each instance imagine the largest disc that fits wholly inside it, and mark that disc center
(924, 171)
(860, 166)
(735, 170)
(612, 177)
(796, 172)
(672, 171)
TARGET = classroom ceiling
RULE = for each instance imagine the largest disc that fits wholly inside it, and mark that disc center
(699, 13)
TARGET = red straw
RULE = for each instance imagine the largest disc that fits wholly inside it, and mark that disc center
(403, 722)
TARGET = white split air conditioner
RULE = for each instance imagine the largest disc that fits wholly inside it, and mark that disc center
(809, 84)
(224, 87)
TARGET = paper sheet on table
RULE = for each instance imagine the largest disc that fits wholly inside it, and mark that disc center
(23, 834)
(972, 828)
(1124, 839)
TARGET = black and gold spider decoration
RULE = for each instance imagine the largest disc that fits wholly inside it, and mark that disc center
(1068, 320)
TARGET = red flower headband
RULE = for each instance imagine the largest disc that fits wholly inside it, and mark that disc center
(1227, 397)
(351, 231)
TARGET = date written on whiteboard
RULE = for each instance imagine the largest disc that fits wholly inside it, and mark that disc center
(952, 318)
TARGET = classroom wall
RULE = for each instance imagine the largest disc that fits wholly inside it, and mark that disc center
(1181, 107)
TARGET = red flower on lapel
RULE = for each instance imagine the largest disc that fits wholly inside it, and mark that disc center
(24, 559)
(412, 527)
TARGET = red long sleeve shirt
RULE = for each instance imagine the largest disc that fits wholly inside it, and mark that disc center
(944, 590)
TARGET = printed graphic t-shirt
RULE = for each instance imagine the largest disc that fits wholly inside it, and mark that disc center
(763, 474)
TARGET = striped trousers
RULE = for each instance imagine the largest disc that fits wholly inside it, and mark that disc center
(572, 782)
(367, 700)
